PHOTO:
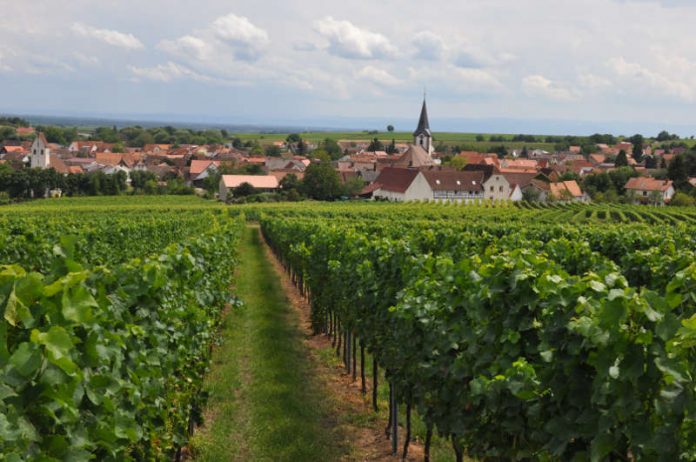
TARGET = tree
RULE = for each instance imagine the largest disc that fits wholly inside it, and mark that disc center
(332, 148)
(457, 162)
(530, 194)
(139, 179)
(321, 182)
(293, 138)
(272, 151)
(681, 199)
(678, 173)
(390, 128)
(650, 162)
(637, 140)
(621, 159)
(501, 151)
(391, 147)
(525, 153)
(353, 186)
(244, 190)
(290, 182)
(375, 145)
(480, 138)
(664, 135)
(301, 147)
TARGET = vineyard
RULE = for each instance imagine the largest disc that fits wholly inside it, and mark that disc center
(110, 311)
(516, 333)
(499, 332)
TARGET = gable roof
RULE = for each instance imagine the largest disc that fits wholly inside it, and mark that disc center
(415, 157)
(199, 166)
(396, 179)
(520, 178)
(452, 180)
(646, 183)
(257, 181)
(562, 188)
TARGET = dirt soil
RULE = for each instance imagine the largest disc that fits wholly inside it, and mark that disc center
(363, 430)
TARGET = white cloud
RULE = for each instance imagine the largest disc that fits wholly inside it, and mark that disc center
(670, 76)
(227, 36)
(540, 86)
(379, 76)
(112, 37)
(238, 29)
(429, 46)
(477, 79)
(349, 41)
(167, 73)
(187, 46)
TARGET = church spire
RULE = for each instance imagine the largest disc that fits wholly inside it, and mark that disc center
(422, 136)
(423, 123)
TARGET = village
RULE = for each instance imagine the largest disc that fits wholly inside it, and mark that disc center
(408, 172)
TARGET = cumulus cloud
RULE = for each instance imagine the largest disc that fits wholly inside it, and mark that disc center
(540, 86)
(187, 46)
(112, 37)
(376, 75)
(679, 82)
(239, 30)
(429, 46)
(227, 35)
(349, 41)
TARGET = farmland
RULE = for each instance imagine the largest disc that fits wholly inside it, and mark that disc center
(491, 331)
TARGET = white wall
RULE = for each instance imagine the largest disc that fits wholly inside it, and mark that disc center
(496, 187)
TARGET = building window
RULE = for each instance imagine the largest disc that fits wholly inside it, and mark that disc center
(492, 188)
(500, 189)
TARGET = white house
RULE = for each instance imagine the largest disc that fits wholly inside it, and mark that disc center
(455, 186)
(497, 187)
(401, 184)
(648, 190)
(262, 183)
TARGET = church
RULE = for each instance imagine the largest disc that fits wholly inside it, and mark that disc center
(420, 153)
(423, 137)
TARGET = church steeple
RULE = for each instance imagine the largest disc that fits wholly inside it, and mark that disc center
(423, 137)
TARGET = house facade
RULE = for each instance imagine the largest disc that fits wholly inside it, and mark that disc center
(648, 190)
(401, 185)
(262, 183)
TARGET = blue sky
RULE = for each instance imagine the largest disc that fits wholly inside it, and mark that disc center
(622, 64)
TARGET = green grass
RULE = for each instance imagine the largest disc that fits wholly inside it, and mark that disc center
(264, 403)
(445, 137)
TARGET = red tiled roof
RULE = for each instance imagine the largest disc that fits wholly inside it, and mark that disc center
(646, 183)
(396, 179)
(257, 181)
(198, 166)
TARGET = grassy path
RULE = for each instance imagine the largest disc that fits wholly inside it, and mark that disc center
(264, 404)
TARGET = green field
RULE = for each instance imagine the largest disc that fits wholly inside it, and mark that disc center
(462, 139)
(147, 328)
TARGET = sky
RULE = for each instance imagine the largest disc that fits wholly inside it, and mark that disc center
(542, 66)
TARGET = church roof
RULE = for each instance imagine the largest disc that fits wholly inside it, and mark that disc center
(423, 124)
(414, 157)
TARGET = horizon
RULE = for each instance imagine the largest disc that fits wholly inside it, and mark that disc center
(490, 126)
(497, 67)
